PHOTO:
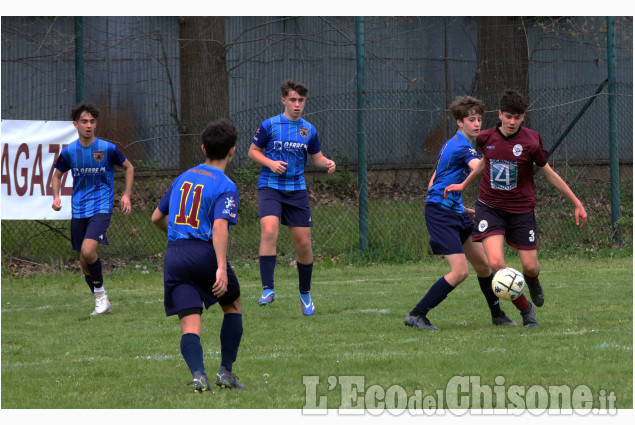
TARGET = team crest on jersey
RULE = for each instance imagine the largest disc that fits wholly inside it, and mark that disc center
(304, 132)
(518, 150)
(98, 155)
(482, 225)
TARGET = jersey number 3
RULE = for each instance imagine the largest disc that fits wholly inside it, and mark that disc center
(190, 217)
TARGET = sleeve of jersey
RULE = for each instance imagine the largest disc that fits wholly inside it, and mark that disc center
(164, 205)
(468, 153)
(540, 156)
(261, 138)
(62, 162)
(118, 157)
(313, 146)
(227, 207)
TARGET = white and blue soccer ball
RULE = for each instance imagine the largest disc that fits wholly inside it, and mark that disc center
(508, 284)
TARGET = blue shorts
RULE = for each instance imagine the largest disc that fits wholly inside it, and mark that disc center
(291, 207)
(94, 227)
(189, 272)
(519, 229)
(448, 229)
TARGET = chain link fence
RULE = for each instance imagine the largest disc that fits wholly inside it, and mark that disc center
(414, 67)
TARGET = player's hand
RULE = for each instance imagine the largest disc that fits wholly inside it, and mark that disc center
(126, 206)
(57, 204)
(452, 188)
(278, 167)
(330, 165)
(580, 216)
(471, 213)
(220, 286)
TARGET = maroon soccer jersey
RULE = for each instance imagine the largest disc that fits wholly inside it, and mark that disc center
(507, 182)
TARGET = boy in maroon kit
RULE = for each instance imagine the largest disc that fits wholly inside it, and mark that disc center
(506, 198)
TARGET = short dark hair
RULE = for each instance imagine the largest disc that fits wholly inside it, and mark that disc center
(466, 105)
(291, 85)
(218, 138)
(513, 102)
(78, 110)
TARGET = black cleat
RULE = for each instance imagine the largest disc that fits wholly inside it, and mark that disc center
(529, 317)
(227, 379)
(502, 320)
(201, 384)
(419, 322)
(537, 294)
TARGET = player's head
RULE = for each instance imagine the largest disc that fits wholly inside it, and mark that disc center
(468, 113)
(78, 110)
(219, 139)
(512, 111)
(293, 98)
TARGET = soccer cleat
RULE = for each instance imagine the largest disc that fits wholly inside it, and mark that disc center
(102, 306)
(419, 322)
(227, 379)
(267, 297)
(529, 317)
(537, 294)
(502, 320)
(307, 307)
(201, 384)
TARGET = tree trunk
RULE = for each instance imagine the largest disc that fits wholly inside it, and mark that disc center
(204, 82)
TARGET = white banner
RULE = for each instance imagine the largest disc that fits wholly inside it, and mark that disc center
(29, 150)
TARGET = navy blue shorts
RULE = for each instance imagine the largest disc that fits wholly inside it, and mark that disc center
(94, 227)
(291, 207)
(189, 272)
(519, 229)
(448, 229)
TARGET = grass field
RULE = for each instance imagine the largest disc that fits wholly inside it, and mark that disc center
(56, 356)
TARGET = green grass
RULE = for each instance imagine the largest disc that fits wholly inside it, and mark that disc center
(55, 356)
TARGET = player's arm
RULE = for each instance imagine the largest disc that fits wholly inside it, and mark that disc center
(126, 206)
(556, 181)
(477, 165)
(320, 161)
(431, 182)
(56, 183)
(220, 238)
(257, 155)
(160, 220)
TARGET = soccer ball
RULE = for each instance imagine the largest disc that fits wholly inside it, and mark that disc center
(508, 284)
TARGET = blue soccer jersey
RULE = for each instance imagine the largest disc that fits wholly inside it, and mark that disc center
(452, 168)
(288, 141)
(196, 198)
(93, 173)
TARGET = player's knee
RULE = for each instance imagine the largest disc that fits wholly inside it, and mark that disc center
(230, 298)
(532, 270)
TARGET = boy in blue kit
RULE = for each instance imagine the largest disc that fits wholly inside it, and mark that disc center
(281, 145)
(196, 213)
(92, 162)
(450, 223)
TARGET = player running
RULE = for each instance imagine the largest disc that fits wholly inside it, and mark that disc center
(196, 213)
(281, 145)
(449, 222)
(506, 198)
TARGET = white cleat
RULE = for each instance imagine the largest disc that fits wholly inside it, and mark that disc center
(102, 306)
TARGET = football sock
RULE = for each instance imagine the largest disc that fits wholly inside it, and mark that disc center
(493, 301)
(89, 281)
(304, 276)
(530, 279)
(267, 267)
(231, 332)
(437, 293)
(192, 352)
(521, 303)
(95, 273)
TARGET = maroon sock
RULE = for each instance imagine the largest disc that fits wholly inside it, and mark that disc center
(521, 303)
(530, 279)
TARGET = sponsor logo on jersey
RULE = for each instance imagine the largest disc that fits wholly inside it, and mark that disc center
(98, 155)
(277, 145)
(88, 170)
(518, 150)
(304, 132)
(295, 146)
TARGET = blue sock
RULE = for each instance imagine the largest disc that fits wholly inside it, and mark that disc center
(231, 332)
(267, 267)
(437, 293)
(192, 352)
(304, 277)
(96, 274)
(493, 301)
